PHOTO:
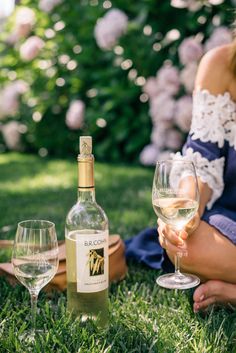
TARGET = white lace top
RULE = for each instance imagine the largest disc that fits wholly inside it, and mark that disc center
(213, 127)
(214, 118)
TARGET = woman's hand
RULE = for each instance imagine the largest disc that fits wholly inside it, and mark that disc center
(174, 241)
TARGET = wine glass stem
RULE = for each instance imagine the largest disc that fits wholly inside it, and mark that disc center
(34, 300)
(177, 264)
(177, 261)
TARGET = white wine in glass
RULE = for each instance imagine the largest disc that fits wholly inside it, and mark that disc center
(175, 199)
(35, 260)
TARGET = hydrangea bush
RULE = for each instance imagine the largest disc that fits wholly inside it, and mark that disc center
(122, 71)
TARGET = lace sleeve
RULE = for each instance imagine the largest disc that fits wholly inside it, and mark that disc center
(213, 118)
(210, 172)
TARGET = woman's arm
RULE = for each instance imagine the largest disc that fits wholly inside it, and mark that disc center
(212, 76)
(205, 195)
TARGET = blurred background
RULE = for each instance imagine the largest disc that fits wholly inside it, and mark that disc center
(122, 71)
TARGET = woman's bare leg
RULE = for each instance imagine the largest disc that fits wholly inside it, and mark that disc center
(212, 257)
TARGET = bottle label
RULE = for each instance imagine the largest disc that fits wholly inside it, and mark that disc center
(92, 262)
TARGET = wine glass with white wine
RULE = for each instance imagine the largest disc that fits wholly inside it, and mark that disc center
(35, 260)
(175, 199)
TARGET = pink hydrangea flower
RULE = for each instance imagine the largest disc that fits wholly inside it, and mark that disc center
(31, 48)
(173, 139)
(190, 50)
(183, 113)
(75, 115)
(162, 108)
(110, 28)
(9, 104)
(168, 79)
(188, 75)
(20, 86)
(48, 5)
(149, 155)
(192, 5)
(220, 36)
(164, 155)
(9, 98)
(151, 87)
(24, 22)
(158, 137)
(158, 134)
(11, 135)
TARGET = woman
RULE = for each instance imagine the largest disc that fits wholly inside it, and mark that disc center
(210, 238)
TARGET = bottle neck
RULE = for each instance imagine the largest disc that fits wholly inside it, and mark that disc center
(86, 189)
(86, 195)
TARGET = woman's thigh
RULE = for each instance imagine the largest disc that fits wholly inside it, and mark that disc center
(210, 255)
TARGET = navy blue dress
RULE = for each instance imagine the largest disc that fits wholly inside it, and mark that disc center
(211, 145)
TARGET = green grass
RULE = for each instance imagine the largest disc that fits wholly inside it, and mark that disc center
(144, 318)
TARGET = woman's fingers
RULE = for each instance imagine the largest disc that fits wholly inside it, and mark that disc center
(162, 241)
(172, 236)
(171, 240)
(183, 234)
(175, 249)
(167, 245)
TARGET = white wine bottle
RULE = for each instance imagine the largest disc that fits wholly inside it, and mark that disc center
(87, 246)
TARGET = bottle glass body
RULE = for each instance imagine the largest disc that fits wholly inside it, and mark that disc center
(87, 259)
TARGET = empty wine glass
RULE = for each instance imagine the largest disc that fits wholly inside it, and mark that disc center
(175, 199)
(35, 259)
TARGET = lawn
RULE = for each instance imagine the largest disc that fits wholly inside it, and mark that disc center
(143, 317)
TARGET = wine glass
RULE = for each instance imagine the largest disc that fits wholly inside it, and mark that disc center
(175, 199)
(35, 259)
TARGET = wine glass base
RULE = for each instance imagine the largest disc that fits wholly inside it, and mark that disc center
(178, 281)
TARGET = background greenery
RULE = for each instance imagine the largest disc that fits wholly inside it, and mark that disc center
(115, 98)
(144, 317)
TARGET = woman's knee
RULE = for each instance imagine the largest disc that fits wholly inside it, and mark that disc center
(197, 256)
(210, 254)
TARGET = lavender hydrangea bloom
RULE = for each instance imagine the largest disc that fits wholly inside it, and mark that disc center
(158, 137)
(109, 28)
(187, 76)
(149, 155)
(183, 113)
(166, 137)
(190, 50)
(75, 115)
(164, 155)
(151, 87)
(162, 108)
(174, 139)
(158, 134)
(220, 36)
(168, 79)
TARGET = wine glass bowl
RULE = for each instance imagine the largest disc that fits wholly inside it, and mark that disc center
(35, 259)
(175, 200)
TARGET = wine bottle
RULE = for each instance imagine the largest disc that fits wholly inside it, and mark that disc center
(86, 235)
